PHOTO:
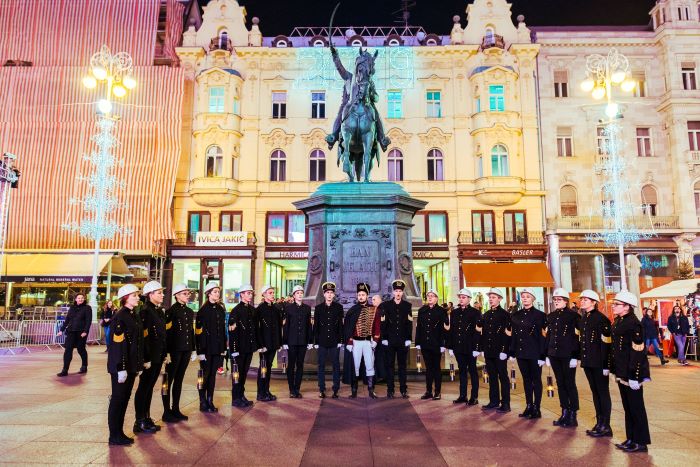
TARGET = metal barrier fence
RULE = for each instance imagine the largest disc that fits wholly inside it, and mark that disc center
(23, 336)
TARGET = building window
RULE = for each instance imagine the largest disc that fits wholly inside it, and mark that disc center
(477, 104)
(435, 165)
(688, 76)
(279, 104)
(429, 227)
(236, 106)
(644, 142)
(198, 222)
(479, 166)
(223, 40)
(434, 106)
(395, 165)
(696, 192)
(568, 203)
(216, 99)
(318, 105)
(640, 90)
(683, 13)
(649, 200)
(694, 136)
(499, 161)
(561, 83)
(278, 166)
(497, 98)
(514, 227)
(231, 221)
(286, 227)
(602, 141)
(215, 161)
(394, 105)
(317, 166)
(483, 227)
(565, 143)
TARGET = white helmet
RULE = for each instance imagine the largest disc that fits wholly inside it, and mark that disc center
(179, 288)
(211, 286)
(125, 290)
(297, 288)
(152, 287)
(560, 293)
(495, 291)
(432, 291)
(245, 288)
(590, 294)
(265, 288)
(627, 297)
(465, 291)
(528, 290)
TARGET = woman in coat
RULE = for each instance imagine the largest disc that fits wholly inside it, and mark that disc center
(76, 327)
(679, 327)
(651, 333)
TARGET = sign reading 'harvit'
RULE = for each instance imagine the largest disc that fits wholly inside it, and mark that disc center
(221, 239)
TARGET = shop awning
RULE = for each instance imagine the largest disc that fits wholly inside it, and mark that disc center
(507, 275)
(56, 267)
(673, 289)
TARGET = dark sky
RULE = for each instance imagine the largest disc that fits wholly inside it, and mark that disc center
(281, 16)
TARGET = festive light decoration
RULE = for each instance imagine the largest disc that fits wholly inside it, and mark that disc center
(550, 386)
(164, 388)
(234, 373)
(200, 379)
(9, 176)
(263, 366)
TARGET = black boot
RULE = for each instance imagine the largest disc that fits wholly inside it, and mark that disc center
(83, 369)
(142, 426)
(571, 419)
(370, 387)
(527, 412)
(353, 388)
(151, 423)
(64, 372)
(168, 416)
(210, 403)
(535, 413)
(179, 415)
(604, 431)
(203, 406)
(504, 407)
(564, 416)
(335, 394)
(460, 400)
(596, 428)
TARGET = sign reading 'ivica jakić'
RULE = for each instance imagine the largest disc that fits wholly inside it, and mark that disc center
(221, 239)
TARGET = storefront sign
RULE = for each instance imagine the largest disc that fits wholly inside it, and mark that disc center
(431, 254)
(47, 279)
(508, 253)
(286, 254)
(221, 239)
(211, 253)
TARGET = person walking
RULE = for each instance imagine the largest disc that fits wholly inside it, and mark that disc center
(107, 312)
(210, 339)
(651, 333)
(76, 328)
(679, 327)
(431, 339)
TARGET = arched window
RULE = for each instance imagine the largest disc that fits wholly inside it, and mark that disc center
(393, 42)
(395, 165)
(696, 193)
(215, 161)
(278, 166)
(319, 43)
(356, 43)
(567, 201)
(317, 166)
(649, 200)
(435, 165)
(223, 40)
(499, 161)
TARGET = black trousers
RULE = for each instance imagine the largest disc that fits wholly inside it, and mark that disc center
(264, 383)
(176, 374)
(295, 368)
(209, 367)
(467, 366)
(144, 391)
(566, 382)
(325, 353)
(243, 361)
(636, 423)
(400, 354)
(497, 370)
(74, 341)
(532, 381)
(118, 402)
(433, 373)
(600, 391)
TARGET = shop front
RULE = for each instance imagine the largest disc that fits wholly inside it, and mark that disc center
(285, 269)
(431, 267)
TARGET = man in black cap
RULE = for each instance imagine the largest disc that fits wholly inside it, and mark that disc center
(328, 337)
(396, 324)
(362, 332)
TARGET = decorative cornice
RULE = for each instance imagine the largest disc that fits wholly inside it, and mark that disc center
(277, 138)
(398, 137)
(316, 138)
(435, 137)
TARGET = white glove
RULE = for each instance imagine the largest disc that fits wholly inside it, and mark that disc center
(285, 347)
(309, 347)
(147, 365)
(418, 347)
(540, 363)
(451, 352)
(193, 357)
(606, 372)
(201, 357)
(373, 343)
(502, 356)
(263, 350)
(634, 385)
(349, 347)
(340, 346)
(121, 376)
(475, 353)
(139, 373)
(547, 362)
(235, 354)
(573, 363)
(167, 359)
(442, 350)
(407, 343)
(385, 342)
(511, 359)
(316, 346)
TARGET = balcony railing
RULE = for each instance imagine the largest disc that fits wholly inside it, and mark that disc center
(493, 40)
(501, 238)
(694, 157)
(183, 239)
(600, 223)
(218, 43)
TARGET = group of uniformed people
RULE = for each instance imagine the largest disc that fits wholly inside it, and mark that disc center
(141, 342)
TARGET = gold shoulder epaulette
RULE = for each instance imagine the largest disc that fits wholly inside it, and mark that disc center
(638, 347)
(606, 339)
(168, 325)
(118, 338)
(145, 332)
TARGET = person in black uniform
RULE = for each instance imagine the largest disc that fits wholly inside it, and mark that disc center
(361, 331)
(76, 327)
(124, 361)
(396, 324)
(528, 346)
(495, 343)
(562, 355)
(629, 364)
(210, 339)
(297, 339)
(431, 339)
(179, 328)
(242, 342)
(463, 344)
(595, 347)
(328, 338)
(269, 336)
(152, 317)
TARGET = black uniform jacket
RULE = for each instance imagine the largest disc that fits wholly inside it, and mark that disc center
(463, 336)
(562, 334)
(210, 329)
(628, 356)
(496, 332)
(297, 324)
(179, 326)
(431, 332)
(595, 340)
(78, 319)
(528, 340)
(269, 328)
(154, 337)
(243, 337)
(396, 322)
(328, 324)
(126, 346)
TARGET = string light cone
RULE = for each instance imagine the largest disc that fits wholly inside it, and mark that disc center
(234, 373)
(419, 361)
(263, 367)
(164, 387)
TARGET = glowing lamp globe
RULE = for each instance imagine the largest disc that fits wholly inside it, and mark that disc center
(628, 85)
(99, 73)
(129, 82)
(119, 90)
(598, 92)
(611, 110)
(587, 85)
(104, 106)
(89, 82)
(618, 77)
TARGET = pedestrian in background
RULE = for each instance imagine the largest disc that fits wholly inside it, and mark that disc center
(76, 328)
(679, 327)
(651, 333)
(107, 312)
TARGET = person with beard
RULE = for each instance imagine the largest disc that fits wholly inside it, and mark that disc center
(76, 327)
(361, 333)
(396, 324)
(328, 338)
(297, 338)
(433, 322)
(124, 362)
(154, 342)
(463, 344)
(242, 342)
(528, 346)
(494, 344)
(210, 337)
(269, 336)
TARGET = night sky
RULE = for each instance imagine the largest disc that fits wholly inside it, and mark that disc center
(281, 16)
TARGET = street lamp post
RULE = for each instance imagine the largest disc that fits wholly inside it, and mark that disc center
(114, 71)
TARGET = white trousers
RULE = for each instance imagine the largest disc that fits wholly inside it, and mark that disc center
(363, 349)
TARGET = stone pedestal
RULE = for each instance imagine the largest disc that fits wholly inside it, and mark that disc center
(360, 232)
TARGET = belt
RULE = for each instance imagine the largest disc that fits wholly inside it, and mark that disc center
(355, 338)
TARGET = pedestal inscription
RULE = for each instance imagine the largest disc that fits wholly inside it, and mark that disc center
(360, 264)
